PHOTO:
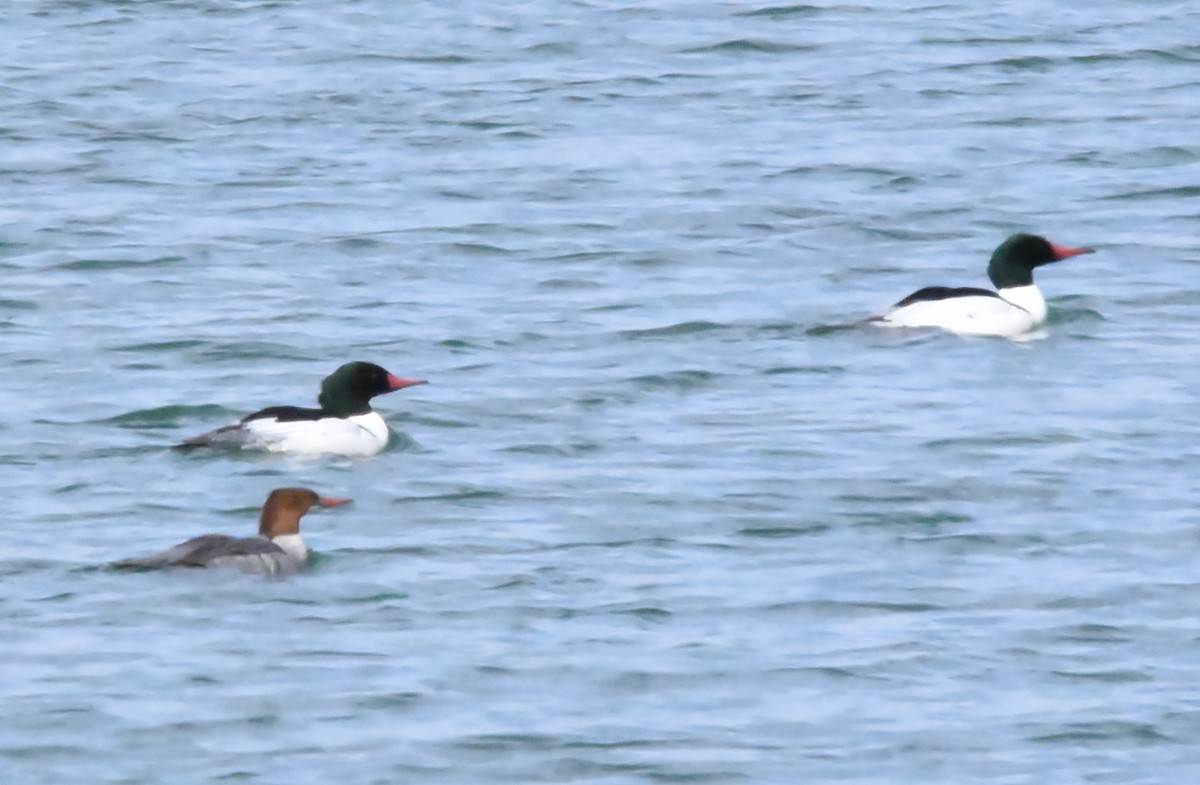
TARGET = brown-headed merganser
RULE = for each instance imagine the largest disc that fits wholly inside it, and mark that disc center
(277, 550)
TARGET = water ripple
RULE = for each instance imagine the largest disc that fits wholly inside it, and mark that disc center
(671, 511)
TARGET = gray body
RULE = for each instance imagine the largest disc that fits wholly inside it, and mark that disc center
(255, 555)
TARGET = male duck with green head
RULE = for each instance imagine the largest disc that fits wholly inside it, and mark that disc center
(345, 423)
(1015, 307)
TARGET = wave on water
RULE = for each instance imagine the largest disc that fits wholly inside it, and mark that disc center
(169, 416)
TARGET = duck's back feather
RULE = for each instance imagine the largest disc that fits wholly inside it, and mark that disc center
(203, 551)
(932, 293)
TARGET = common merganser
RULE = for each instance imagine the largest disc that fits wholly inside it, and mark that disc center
(1016, 306)
(345, 424)
(277, 550)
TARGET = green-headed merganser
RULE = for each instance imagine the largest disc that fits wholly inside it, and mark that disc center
(345, 423)
(1015, 307)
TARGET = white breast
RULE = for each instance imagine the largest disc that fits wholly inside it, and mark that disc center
(360, 436)
(1028, 298)
(293, 545)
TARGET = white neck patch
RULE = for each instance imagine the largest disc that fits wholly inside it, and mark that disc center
(293, 545)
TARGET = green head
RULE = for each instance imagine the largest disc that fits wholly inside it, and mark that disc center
(348, 390)
(1013, 262)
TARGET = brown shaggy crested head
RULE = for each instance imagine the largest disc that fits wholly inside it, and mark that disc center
(286, 506)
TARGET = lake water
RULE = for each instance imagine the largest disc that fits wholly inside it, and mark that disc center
(657, 517)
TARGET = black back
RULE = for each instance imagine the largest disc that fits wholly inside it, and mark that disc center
(287, 414)
(344, 393)
(930, 293)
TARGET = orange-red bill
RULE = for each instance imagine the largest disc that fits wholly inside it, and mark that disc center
(1062, 252)
(396, 383)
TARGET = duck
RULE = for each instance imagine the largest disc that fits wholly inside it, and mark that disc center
(278, 549)
(1016, 306)
(344, 424)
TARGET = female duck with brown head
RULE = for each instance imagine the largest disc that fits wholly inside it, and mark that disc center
(277, 550)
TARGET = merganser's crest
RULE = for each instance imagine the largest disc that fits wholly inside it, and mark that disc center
(1016, 306)
(344, 424)
(277, 550)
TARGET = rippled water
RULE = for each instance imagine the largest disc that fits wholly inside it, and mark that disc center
(657, 517)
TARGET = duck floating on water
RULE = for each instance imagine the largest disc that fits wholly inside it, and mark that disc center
(277, 550)
(345, 423)
(1015, 307)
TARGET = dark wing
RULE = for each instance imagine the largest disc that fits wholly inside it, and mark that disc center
(944, 293)
(229, 436)
(200, 552)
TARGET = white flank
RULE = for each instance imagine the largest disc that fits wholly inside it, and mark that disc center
(259, 563)
(1016, 311)
(360, 436)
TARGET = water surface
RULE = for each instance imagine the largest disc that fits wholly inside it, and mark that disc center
(657, 517)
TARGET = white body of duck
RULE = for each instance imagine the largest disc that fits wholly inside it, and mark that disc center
(358, 436)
